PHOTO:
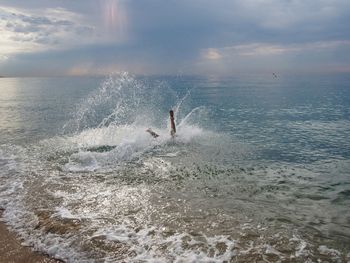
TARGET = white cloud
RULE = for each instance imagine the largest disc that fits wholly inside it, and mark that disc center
(39, 30)
(3, 57)
(267, 49)
(318, 55)
(211, 54)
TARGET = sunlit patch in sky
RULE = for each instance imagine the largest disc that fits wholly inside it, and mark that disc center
(212, 54)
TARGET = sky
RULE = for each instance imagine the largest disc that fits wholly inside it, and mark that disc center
(222, 37)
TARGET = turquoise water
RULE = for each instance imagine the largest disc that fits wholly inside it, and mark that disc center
(259, 169)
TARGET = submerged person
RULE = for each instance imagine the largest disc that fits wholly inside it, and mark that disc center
(172, 127)
(153, 134)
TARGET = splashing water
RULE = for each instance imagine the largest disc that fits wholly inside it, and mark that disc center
(107, 191)
(110, 124)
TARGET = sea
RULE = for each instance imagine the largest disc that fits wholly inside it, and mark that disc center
(259, 169)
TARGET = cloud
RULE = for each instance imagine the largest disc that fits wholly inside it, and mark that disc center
(284, 14)
(3, 58)
(211, 54)
(321, 56)
(157, 36)
(34, 30)
(265, 49)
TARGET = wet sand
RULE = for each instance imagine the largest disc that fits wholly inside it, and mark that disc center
(11, 250)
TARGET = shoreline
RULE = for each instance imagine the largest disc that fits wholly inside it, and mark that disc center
(12, 251)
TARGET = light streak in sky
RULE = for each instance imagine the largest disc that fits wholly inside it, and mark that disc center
(115, 18)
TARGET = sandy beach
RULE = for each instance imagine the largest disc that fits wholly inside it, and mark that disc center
(11, 250)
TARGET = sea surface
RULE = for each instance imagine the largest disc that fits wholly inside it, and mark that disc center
(259, 170)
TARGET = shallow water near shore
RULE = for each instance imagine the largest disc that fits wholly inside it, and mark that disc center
(259, 170)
